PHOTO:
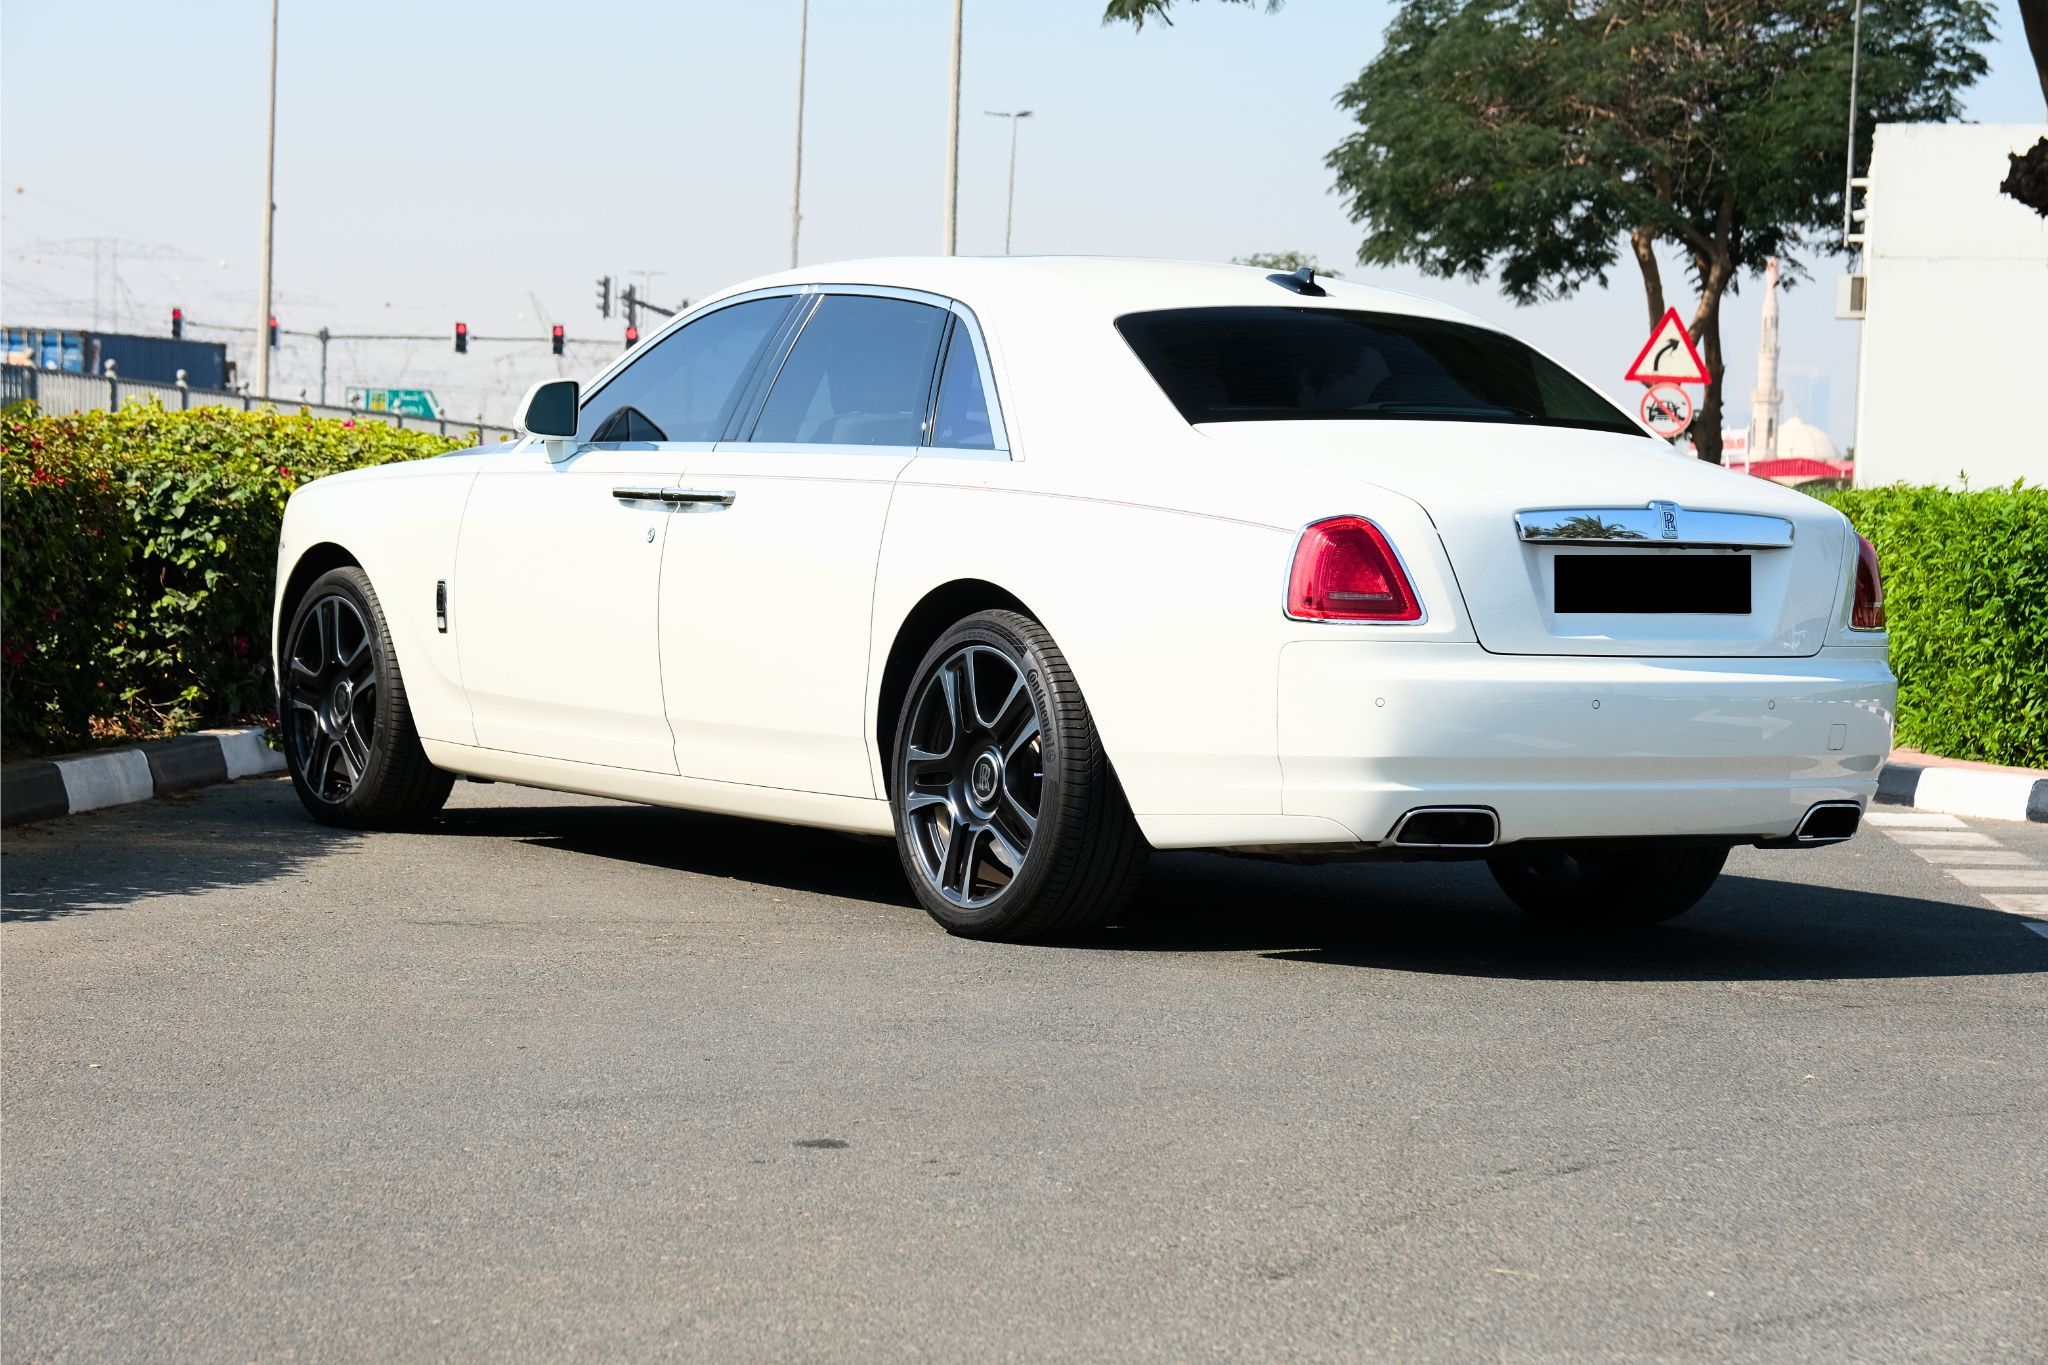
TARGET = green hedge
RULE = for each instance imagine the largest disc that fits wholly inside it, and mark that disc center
(140, 549)
(1966, 597)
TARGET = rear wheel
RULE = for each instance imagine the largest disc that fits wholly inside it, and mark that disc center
(349, 741)
(1605, 888)
(1009, 820)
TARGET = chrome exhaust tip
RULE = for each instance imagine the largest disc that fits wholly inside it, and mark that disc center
(1830, 822)
(1446, 827)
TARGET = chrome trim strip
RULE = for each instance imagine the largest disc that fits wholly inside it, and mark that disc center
(678, 497)
(1657, 525)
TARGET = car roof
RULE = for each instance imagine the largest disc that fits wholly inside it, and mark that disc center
(1103, 285)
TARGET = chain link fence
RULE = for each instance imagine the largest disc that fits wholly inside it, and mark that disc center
(60, 394)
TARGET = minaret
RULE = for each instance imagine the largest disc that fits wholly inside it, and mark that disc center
(1763, 404)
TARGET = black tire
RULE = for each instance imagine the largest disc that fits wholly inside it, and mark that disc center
(1077, 858)
(1605, 888)
(349, 740)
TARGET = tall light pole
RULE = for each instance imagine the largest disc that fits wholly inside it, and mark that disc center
(269, 219)
(796, 189)
(1010, 204)
(952, 233)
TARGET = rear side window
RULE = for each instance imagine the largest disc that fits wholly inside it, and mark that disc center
(686, 386)
(961, 421)
(1284, 364)
(860, 374)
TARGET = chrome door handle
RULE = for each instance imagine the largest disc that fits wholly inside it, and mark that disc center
(678, 497)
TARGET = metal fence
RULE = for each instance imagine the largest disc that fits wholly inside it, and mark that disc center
(59, 394)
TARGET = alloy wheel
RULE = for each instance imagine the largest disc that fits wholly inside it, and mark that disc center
(330, 695)
(973, 775)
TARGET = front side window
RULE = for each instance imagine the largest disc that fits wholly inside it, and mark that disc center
(961, 421)
(686, 386)
(1267, 364)
(860, 374)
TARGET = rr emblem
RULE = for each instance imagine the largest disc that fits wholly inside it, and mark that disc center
(1668, 513)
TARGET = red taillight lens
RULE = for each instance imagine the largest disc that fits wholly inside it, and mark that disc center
(1344, 570)
(1868, 612)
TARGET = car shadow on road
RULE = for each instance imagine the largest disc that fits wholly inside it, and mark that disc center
(786, 856)
(1449, 919)
(244, 835)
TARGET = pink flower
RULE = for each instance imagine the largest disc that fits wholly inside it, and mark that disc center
(55, 613)
(241, 646)
(350, 422)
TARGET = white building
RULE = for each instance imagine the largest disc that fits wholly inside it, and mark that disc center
(1955, 309)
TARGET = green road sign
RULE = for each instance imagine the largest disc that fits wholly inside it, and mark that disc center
(404, 402)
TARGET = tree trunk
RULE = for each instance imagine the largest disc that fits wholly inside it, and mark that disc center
(1644, 243)
(2034, 18)
(1706, 334)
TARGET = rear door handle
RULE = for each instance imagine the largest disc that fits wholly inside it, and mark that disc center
(678, 497)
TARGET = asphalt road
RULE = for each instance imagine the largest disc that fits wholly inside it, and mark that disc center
(563, 1077)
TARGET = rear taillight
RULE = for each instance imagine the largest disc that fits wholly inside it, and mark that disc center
(1344, 570)
(1868, 612)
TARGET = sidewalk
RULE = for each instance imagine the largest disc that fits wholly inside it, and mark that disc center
(1959, 787)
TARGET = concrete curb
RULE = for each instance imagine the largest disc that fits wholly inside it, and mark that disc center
(42, 789)
(2014, 794)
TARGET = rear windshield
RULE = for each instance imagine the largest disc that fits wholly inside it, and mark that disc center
(1290, 364)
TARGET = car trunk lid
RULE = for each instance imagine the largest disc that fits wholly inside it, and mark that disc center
(1574, 542)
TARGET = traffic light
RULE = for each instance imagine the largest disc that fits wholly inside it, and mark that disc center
(632, 336)
(177, 324)
(604, 296)
(462, 338)
(273, 334)
(556, 335)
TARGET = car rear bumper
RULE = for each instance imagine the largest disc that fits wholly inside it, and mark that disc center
(1577, 747)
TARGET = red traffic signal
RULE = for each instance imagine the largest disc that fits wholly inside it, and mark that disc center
(557, 338)
(462, 338)
(177, 324)
(632, 336)
(273, 334)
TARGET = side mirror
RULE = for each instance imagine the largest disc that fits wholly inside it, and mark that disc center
(549, 411)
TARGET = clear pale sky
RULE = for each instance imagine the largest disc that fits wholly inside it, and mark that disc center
(487, 161)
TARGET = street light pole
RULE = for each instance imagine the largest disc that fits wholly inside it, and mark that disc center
(269, 220)
(951, 236)
(796, 191)
(1010, 204)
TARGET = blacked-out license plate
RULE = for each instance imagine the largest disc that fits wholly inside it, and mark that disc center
(1653, 584)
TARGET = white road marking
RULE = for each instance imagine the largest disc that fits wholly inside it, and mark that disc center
(1913, 820)
(1976, 857)
(2000, 876)
(1953, 838)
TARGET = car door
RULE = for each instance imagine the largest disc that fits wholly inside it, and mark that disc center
(766, 609)
(558, 569)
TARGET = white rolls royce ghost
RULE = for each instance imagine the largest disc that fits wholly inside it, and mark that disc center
(1036, 565)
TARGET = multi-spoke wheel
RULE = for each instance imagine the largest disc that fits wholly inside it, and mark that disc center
(349, 740)
(1008, 817)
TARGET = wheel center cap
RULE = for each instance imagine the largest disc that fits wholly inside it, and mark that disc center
(340, 698)
(983, 778)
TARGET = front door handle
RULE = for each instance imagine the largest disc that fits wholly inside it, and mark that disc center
(678, 497)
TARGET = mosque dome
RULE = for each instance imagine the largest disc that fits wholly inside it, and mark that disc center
(1798, 440)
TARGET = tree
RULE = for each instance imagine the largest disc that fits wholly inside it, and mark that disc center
(1531, 138)
(1286, 262)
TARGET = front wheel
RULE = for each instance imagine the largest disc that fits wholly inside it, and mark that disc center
(1009, 820)
(1605, 888)
(349, 741)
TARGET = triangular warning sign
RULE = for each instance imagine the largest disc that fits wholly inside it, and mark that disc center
(1669, 357)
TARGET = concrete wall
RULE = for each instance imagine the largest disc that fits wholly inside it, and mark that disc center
(1954, 376)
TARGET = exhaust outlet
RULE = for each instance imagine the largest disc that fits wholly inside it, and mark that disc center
(1830, 822)
(1446, 827)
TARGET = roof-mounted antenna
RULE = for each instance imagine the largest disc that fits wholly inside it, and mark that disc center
(1302, 281)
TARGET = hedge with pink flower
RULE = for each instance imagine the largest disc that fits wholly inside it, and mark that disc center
(139, 551)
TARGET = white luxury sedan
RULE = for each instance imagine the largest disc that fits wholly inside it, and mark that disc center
(1036, 565)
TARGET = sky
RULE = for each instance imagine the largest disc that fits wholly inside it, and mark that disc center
(487, 160)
